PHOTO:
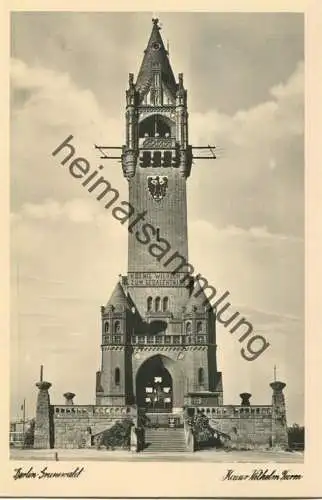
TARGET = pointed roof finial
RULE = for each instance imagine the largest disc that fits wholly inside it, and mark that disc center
(155, 56)
(274, 373)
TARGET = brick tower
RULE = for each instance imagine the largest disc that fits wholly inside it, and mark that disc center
(158, 329)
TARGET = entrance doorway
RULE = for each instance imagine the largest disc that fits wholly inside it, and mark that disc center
(154, 390)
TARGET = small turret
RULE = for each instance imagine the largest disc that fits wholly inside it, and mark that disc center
(115, 317)
(198, 301)
(118, 302)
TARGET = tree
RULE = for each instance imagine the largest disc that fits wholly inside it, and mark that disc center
(296, 437)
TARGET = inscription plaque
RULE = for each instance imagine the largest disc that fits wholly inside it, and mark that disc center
(151, 279)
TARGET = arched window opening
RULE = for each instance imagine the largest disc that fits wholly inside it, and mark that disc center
(106, 327)
(149, 303)
(201, 376)
(157, 304)
(117, 376)
(188, 328)
(199, 327)
(156, 125)
(117, 327)
(165, 305)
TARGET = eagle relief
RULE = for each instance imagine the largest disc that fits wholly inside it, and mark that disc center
(157, 185)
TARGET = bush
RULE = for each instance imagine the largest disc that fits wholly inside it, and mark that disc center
(117, 436)
(296, 437)
(203, 433)
(29, 436)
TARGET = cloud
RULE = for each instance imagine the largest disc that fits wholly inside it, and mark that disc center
(260, 269)
(46, 108)
(77, 210)
(252, 233)
(258, 178)
(44, 88)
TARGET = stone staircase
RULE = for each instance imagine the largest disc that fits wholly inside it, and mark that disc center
(164, 440)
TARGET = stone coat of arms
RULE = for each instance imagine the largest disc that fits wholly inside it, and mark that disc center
(157, 185)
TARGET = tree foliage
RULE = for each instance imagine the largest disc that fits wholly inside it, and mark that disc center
(202, 431)
(296, 437)
(117, 436)
(29, 435)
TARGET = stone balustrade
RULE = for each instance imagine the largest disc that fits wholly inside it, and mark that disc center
(169, 339)
(86, 411)
(233, 411)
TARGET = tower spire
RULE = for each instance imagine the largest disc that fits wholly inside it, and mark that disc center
(155, 60)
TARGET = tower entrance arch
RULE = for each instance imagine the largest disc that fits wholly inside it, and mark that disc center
(154, 385)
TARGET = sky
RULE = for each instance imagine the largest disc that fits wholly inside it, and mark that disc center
(245, 79)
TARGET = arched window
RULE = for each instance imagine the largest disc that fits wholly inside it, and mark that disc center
(201, 376)
(157, 304)
(199, 327)
(149, 303)
(156, 124)
(117, 376)
(188, 328)
(117, 327)
(106, 326)
(165, 304)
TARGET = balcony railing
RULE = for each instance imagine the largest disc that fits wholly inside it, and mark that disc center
(113, 339)
(157, 142)
(198, 339)
(169, 340)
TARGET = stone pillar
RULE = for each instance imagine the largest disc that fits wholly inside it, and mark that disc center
(279, 424)
(88, 437)
(245, 396)
(69, 398)
(43, 417)
(134, 439)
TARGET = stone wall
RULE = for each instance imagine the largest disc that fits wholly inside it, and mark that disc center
(240, 427)
(254, 432)
(76, 426)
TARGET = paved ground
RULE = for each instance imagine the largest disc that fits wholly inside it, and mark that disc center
(125, 456)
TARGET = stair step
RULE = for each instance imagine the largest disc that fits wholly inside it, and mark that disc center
(163, 440)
